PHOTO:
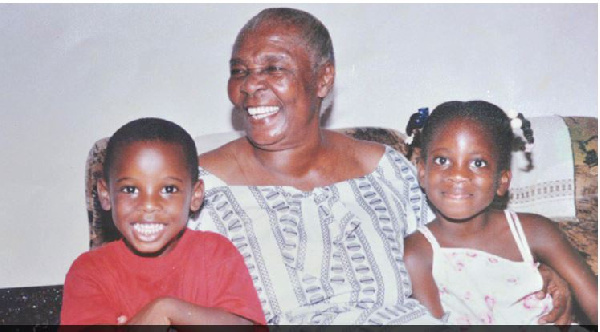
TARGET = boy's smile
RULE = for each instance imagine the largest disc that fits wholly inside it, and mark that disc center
(460, 175)
(150, 193)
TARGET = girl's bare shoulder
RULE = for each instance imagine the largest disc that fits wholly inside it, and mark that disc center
(416, 247)
(539, 230)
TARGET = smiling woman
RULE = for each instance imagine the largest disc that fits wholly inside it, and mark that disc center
(318, 216)
(274, 80)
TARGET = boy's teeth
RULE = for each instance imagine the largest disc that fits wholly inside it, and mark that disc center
(148, 228)
(262, 111)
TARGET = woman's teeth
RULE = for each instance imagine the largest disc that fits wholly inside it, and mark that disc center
(148, 229)
(262, 112)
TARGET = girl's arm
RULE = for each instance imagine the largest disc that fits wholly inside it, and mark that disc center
(171, 311)
(549, 246)
(418, 260)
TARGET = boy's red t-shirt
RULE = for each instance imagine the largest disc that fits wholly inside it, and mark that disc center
(204, 269)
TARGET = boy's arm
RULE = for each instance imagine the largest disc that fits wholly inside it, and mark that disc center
(172, 311)
(549, 246)
(418, 260)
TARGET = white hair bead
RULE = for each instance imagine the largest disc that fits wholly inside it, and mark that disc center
(516, 123)
(512, 114)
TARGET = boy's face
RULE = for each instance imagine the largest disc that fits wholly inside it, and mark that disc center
(150, 193)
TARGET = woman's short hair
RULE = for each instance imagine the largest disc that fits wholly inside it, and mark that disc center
(311, 29)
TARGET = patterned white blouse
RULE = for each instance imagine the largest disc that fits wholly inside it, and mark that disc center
(332, 255)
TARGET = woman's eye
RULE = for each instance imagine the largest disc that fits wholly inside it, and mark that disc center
(237, 72)
(274, 69)
(478, 163)
(129, 190)
(170, 190)
(440, 161)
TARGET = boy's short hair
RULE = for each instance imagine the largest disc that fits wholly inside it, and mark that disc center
(147, 130)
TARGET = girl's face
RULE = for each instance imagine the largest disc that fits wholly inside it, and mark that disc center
(460, 175)
(150, 193)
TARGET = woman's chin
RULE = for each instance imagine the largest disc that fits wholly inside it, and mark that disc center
(263, 138)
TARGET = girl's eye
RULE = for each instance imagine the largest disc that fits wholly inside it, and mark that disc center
(440, 161)
(478, 163)
(129, 190)
(170, 190)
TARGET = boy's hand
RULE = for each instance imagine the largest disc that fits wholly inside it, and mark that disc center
(561, 297)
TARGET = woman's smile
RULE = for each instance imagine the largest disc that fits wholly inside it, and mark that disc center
(262, 112)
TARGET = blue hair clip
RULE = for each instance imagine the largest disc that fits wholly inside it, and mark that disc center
(416, 122)
(423, 114)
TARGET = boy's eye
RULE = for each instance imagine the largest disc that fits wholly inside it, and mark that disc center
(129, 190)
(478, 163)
(440, 161)
(170, 190)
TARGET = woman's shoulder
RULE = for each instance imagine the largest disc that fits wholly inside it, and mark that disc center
(366, 153)
(219, 161)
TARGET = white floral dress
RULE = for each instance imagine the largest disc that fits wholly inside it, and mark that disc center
(332, 255)
(477, 287)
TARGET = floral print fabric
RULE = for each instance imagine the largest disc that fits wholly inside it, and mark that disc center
(480, 288)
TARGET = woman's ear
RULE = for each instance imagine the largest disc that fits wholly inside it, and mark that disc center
(325, 80)
(103, 194)
(504, 184)
(197, 196)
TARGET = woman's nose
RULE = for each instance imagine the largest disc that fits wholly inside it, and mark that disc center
(253, 82)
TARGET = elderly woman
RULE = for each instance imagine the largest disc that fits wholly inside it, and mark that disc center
(319, 217)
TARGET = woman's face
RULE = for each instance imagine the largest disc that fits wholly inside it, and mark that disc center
(274, 85)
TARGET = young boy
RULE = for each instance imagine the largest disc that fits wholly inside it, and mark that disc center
(159, 273)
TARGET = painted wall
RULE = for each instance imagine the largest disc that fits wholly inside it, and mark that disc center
(70, 74)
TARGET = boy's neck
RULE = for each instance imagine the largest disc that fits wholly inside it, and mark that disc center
(169, 247)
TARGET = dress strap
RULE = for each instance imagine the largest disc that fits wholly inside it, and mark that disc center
(517, 231)
(429, 236)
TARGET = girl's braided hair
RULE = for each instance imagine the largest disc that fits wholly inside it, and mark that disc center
(421, 127)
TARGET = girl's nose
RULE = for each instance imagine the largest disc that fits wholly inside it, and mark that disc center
(459, 174)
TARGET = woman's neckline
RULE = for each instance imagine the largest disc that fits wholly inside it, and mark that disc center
(388, 149)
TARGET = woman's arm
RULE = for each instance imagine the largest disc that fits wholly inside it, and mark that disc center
(418, 260)
(550, 247)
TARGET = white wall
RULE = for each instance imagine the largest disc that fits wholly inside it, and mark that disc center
(70, 74)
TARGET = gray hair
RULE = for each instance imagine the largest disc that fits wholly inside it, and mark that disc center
(312, 31)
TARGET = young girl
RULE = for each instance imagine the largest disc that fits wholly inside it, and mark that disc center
(474, 263)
